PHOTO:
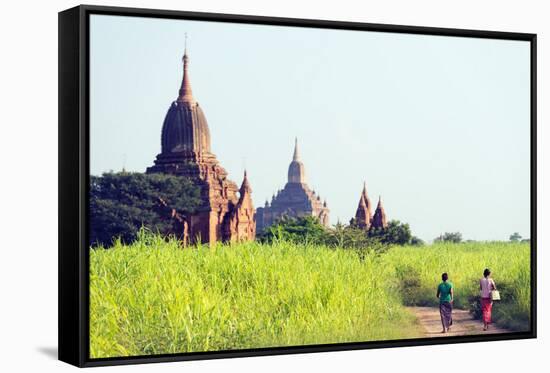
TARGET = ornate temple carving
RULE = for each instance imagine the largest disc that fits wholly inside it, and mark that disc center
(241, 225)
(296, 199)
(226, 213)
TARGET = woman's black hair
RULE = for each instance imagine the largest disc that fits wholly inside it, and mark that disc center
(487, 272)
(445, 276)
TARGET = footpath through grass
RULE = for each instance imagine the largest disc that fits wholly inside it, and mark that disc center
(153, 297)
(419, 271)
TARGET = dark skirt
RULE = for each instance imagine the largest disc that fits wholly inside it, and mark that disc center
(446, 310)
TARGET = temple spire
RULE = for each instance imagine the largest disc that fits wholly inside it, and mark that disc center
(363, 216)
(296, 170)
(379, 219)
(362, 202)
(380, 206)
(365, 195)
(245, 186)
(296, 156)
(185, 93)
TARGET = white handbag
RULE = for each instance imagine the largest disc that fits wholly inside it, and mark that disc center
(495, 295)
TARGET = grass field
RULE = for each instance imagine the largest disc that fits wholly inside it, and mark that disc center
(419, 271)
(153, 297)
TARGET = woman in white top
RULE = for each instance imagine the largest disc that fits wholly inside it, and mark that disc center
(486, 286)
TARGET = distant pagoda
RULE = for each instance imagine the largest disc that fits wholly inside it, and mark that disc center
(379, 219)
(296, 199)
(364, 218)
(363, 215)
(226, 212)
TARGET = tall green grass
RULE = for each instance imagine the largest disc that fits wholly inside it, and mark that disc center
(419, 272)
(154, 297)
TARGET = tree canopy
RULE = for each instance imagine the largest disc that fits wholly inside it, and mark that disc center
(396, 233)
(299, 230)
(454, 237)
(310, 230)
(515, 237)
(121, 203)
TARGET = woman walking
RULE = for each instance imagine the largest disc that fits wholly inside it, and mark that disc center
(445, 293)
(486, 286)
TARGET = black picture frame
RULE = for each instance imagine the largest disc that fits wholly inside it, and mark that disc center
(74, 181)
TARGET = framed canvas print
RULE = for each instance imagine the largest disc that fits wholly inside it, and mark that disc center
(236, 186)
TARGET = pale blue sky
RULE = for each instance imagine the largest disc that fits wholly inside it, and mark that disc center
(439, 126)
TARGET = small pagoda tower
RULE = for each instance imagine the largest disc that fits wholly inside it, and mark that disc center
(363, 215)
(242, 224)
(379, 220)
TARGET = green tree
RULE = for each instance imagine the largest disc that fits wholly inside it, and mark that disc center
(415, 241)
(353, 238)
(453, 237)
(515, 237)
(349, 236)
(396, 233)
(310, 230)
(121, 203)
(306, 229)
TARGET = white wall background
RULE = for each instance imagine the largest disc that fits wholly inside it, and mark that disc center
(28, 187)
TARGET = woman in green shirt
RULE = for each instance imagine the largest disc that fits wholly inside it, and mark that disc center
(445, 294)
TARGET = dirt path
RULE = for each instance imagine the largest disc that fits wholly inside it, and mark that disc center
(463, 324)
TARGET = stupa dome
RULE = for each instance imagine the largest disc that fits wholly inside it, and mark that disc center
(185, 127)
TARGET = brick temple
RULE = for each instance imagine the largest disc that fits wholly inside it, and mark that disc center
(364, 218)
(296, 199)
(226, 212)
